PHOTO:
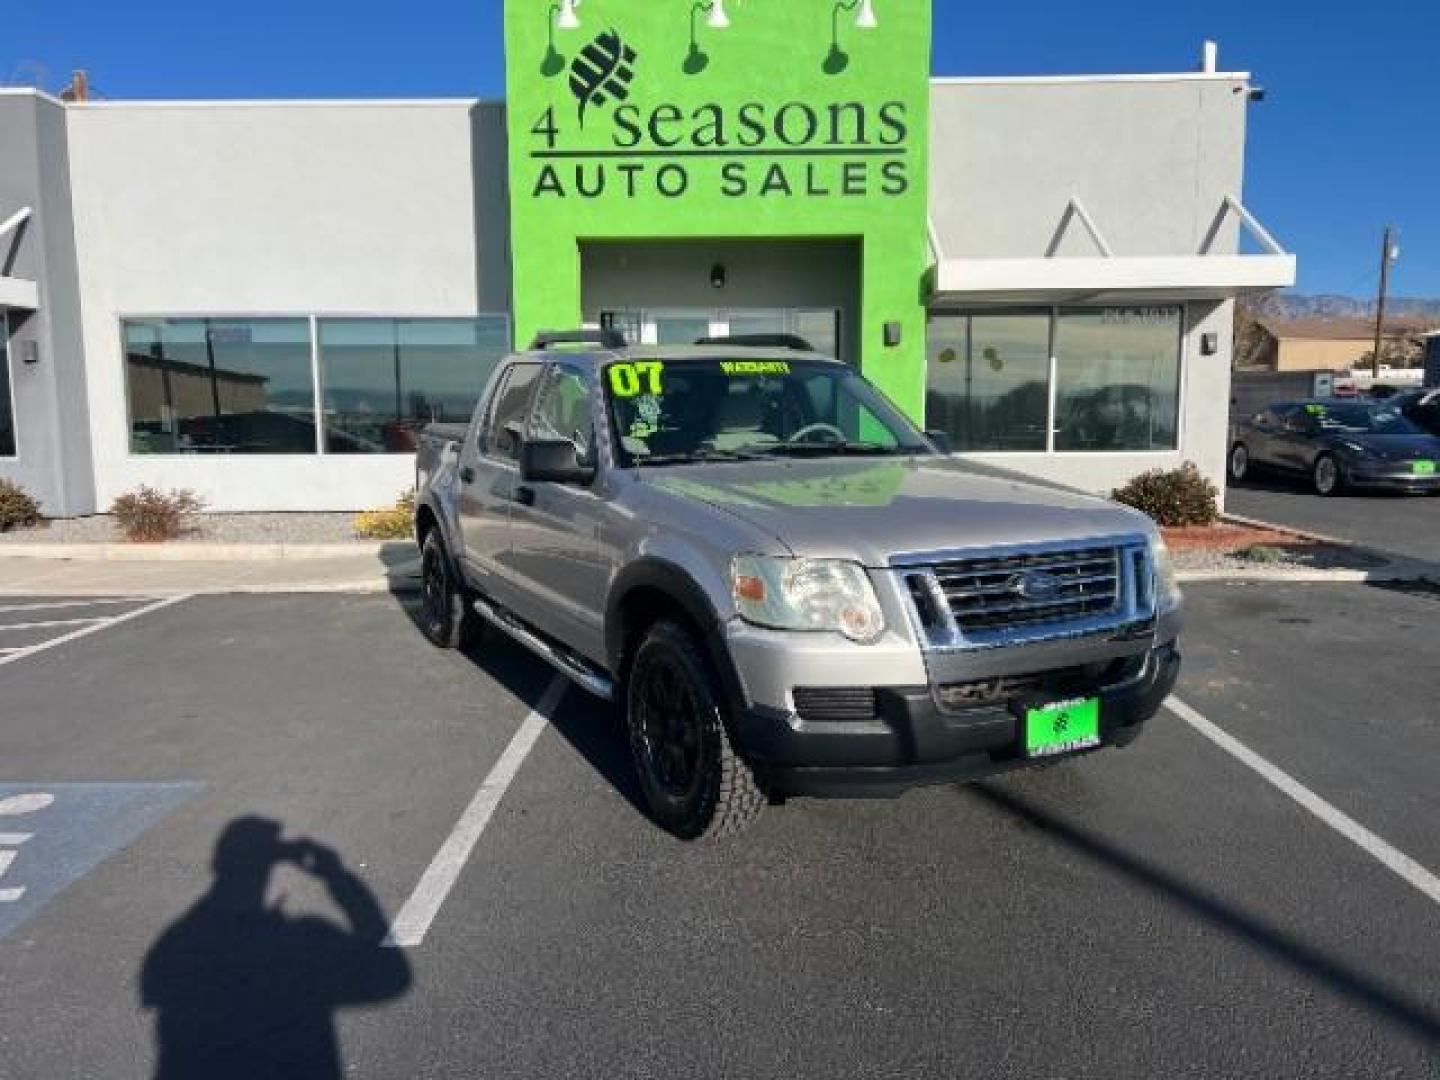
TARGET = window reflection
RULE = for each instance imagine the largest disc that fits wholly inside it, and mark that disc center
(1118, 379)
(220, 386)
(385, 379)
(988, 380)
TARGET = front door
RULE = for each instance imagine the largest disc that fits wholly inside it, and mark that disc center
(555, 528)
(489, 476)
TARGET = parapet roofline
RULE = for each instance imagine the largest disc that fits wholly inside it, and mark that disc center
(1065, 80)
(478, 102)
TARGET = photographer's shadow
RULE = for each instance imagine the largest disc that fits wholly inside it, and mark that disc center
(241, 989)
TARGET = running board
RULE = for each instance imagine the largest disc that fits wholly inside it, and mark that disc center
(578, 672)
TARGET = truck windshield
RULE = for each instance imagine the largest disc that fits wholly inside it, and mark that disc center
(691, 410)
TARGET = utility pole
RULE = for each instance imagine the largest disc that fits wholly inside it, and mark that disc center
(1388, 254)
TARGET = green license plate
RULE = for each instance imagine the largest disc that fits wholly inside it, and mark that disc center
(1423, 468)
(1062, 728)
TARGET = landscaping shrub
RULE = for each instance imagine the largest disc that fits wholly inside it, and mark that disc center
(17, 506)
(148, 515)
(1176, 498)
(395, 523)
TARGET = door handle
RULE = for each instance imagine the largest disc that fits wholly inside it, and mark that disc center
(525, 496)
(467, 474)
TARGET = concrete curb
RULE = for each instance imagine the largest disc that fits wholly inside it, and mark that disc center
(192, 551)
(1305, 575)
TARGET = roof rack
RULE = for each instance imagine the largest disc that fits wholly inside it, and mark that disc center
(761, 341)
(604, 338)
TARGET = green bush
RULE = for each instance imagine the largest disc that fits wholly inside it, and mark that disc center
(17, 506)
(394, 523)
(1176, 498)
(148, 515)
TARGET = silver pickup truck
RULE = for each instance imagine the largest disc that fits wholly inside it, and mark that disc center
(786, 586)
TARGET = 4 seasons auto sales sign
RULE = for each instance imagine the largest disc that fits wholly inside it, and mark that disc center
(668, 119)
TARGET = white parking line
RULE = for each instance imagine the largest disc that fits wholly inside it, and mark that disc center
(72, 603)
(1387, 855)
(50, 622)
(85, 631)
(411, 925)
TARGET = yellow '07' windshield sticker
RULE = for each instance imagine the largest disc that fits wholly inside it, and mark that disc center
(642, 377)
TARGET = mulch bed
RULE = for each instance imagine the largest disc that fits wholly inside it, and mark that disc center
(1226, 538)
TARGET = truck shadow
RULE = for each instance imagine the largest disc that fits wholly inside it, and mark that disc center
(1254, 932)
(593, 728)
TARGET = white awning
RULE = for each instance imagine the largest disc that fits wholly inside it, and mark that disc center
(1109, 278)
(16, 292)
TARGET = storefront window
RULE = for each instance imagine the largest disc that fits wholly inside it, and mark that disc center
(385, 379)
(989, 380)
(7, 410)
(1118, 379)
(220, 386)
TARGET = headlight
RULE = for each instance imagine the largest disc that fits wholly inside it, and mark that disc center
(1167, 586)
(807, 594)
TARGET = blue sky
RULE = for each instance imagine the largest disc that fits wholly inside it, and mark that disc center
(1346, 141)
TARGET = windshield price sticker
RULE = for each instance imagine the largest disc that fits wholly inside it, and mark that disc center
(755, 367)
(629, 380)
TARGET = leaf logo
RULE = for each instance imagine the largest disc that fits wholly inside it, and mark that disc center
(602, 72)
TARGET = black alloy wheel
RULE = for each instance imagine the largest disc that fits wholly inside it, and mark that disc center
(695, 781)
(445, 616)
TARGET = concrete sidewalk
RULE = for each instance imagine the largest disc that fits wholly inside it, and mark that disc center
(368, 572)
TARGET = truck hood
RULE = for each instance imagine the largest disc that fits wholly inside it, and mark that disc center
(873, 510)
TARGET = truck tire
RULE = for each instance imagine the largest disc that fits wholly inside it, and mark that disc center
(445, 616)
(695, 781)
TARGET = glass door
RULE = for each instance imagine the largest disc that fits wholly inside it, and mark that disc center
(818, 326)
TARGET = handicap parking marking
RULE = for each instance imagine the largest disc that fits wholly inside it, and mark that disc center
(71, 628)
(51, 835)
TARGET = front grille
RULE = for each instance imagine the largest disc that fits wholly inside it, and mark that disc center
(1008, 596)
(835, 705)
(1061, 682)
(987, 594)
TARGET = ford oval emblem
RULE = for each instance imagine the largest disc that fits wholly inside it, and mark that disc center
(1036, 585)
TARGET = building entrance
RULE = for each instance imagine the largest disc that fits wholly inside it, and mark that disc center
(679, 326)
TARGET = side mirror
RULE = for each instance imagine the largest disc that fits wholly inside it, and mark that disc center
(941, 441)
(553, 460)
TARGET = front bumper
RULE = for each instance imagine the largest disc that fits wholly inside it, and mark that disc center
(912, 741)
(1398, 477)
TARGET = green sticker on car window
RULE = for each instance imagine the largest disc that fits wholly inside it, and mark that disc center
(1315, 410)
(755, 367)
(628, 380)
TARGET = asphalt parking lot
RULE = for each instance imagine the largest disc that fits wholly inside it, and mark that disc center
(213, 814)
(1406, 525)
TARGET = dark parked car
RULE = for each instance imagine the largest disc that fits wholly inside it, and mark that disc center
(1338, 445)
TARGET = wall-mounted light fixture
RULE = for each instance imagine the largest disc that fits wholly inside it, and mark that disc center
(837, 60)
(697, 60)
(560, 16)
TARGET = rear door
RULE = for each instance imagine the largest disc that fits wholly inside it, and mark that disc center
(1264, 432)
(489, 474)
(554, 554)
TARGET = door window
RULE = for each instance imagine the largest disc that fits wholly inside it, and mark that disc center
(501, 436)
(563, 410)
